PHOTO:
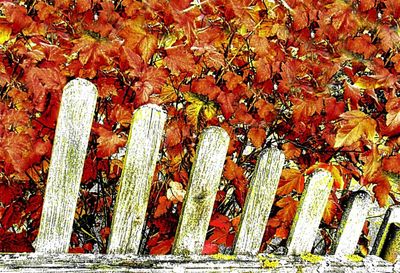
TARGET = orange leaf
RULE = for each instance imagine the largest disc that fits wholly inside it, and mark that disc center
(289, 207)
(330, 209)
(163, 205)
(372, 160)
(232, 170)
(108, 142)
(282, 232)
(362, 45)
(257, 136)
(382, 189)
(393, 115)
(290, 150)
(291, 179)
(392, 164)
(356, 125)
(162, 248)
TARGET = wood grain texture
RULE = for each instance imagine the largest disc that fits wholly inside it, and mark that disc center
(392, 216)
(66, 166)
(136, 178)
(259, 200)
(352, 222)
(204, 179)
(309, 212)
(34, 262)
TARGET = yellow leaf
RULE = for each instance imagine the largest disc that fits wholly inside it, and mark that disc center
(339, 183)
(372, 160)
(209, 110)
(168, 94)
(5, 33)
(198, 108)
(355, 125)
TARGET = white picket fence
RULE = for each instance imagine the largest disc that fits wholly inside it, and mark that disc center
(69, 151)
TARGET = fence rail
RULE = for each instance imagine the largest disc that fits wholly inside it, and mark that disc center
(70, 143)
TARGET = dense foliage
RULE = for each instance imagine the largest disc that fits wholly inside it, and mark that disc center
(318, 79)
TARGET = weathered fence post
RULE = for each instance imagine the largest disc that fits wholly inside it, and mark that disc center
(136, 178)
(66, 166)
(352, 222)
(259, 200)
(392, 217)
(203, 185)
(309, 213)
(391, 248)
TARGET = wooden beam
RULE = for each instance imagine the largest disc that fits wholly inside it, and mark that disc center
(77, 263)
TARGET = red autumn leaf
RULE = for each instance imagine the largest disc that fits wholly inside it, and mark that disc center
(333, 108)
(265, 110)
(381, 189)
(257, 136)
(389, 36)
(210, 248)
(162, 248)
(242, 116)
(206, 87)
(392, 164)
(122, 114)
(228, 103)
(106, 87)
(41, 81)
(304, 109)
(137, 38)
(108, 141)
(14, 242)
(352, 93)
(282, 232)
(290, 150)
(77, 249)
(104, 233)
(372, 160)
(9, 193)
(366, 5)
(393, 115)
(163, 205)
(232, 170)
(12, 215)
(179, 60)
(362, 45)
(221, 221)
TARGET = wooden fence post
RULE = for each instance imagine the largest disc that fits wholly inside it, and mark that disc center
(66, 166)
(136, 178)
(259, 200)
(391, 249)
(392, 216)
(309, 213)
(351, 225)
(202, 189)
